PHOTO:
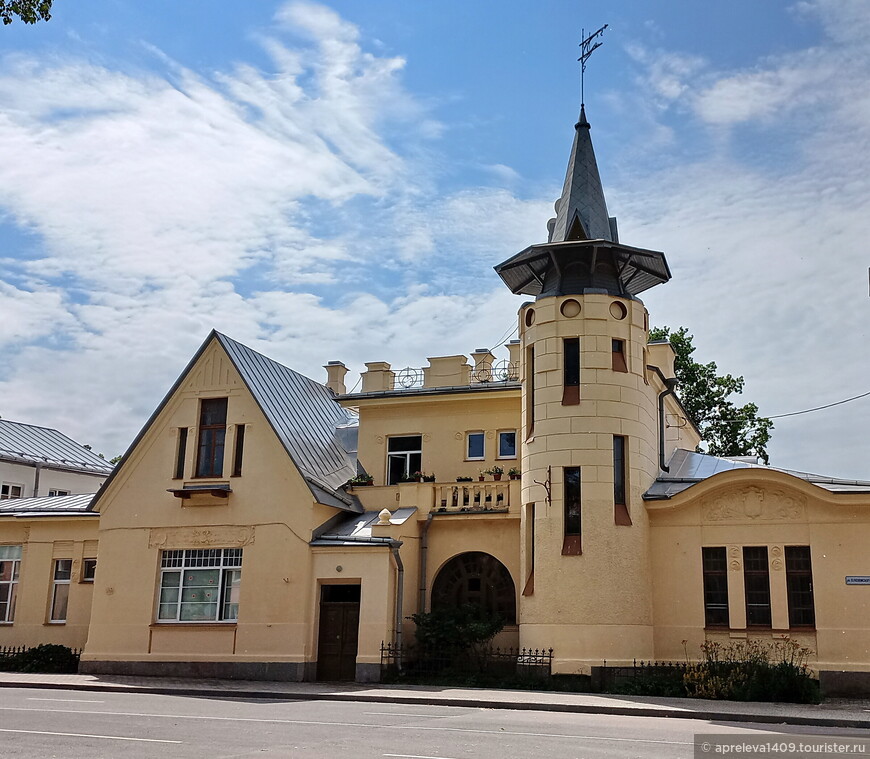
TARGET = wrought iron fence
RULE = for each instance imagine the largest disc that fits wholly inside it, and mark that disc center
(529, 662)
(631, 677)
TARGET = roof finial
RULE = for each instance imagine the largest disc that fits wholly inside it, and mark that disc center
(586, 49)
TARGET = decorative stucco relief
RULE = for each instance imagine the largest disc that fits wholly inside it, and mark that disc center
(752, 503)
(169, 538)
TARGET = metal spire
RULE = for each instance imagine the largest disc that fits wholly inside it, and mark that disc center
(586, 49)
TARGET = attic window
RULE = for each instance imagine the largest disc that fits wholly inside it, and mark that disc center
(212, 434)
(576, 232)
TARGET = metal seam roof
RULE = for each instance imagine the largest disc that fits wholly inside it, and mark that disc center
(688, 468)
(29, 444)
(52, 504)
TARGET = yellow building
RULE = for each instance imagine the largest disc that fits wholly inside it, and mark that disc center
(264, 525)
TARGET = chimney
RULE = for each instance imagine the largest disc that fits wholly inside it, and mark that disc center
(335, 371)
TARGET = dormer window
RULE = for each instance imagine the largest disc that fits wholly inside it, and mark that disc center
(212, 435)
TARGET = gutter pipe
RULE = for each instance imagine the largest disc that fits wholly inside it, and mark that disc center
(424, 555)
(670, 384)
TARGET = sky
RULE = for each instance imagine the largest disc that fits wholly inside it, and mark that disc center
(336, 180)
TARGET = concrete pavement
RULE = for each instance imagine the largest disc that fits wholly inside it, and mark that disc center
(832, 713)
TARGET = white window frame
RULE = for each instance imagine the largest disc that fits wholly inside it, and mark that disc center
(58, 491)
(7, 486)
(85, 564)
(12, 555)
(516, 438)
(468, 456)
(60, 585)
(175, 564)
(406, 455)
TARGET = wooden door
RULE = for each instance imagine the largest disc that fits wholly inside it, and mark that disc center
(339, 631)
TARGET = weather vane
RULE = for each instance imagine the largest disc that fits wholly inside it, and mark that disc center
(587, 47)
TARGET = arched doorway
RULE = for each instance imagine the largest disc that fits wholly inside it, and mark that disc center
(479, 579)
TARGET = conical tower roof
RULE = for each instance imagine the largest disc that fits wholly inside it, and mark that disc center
(581, 212)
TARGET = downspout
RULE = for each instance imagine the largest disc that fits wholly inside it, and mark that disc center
(670, 384)
(400, 593)
(36, 480)
(424, 555)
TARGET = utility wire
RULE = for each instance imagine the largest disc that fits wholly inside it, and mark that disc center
(819, 408)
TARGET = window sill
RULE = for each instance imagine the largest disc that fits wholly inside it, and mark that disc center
(168, 623)
(55, 623)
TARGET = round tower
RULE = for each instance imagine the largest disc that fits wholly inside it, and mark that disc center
(590, 430)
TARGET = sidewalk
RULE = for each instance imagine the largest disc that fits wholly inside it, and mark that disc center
(834, 713)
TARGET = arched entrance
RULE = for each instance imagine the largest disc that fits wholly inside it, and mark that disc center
(479, 579)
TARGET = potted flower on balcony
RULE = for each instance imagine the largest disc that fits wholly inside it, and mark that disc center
(496, 472)
(428, 478)
(360, 480)
(514, 473)
(481, 474)
(407, 478)
(417, 477)
(463, 479)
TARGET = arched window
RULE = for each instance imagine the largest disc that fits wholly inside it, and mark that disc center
(479, 579)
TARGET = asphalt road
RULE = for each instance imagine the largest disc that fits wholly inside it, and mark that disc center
(37, 723)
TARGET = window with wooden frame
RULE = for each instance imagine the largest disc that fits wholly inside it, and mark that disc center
(89, 570)
(10, 564)
(180, 453)
(756, 581)
(571, 371)
(60, 591)
(799, 582)
(212, 437)
(621, 515)
(530, 390)
(618, 359)
(239, 450)
(9, 490)
(571, 544)
(715, 566)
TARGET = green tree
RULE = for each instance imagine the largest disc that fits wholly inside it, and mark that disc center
(726, 428)
(29, 11)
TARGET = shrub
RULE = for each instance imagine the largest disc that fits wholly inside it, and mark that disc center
(47, 658)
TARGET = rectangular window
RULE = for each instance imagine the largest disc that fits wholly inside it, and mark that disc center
(530, 390)
(618, 360)
(620, 495)
(715, 565)
(181, 453)
(8, 491)
(212, 434)
(404, 457)
(571, 371)
(56, 491)
(475, 448)
(60, 590)
(507, 444)
(239, 450)
(200, 585)
(799, 580)
(89, 570)
(10, 563)
(756, 579)
(571, 543)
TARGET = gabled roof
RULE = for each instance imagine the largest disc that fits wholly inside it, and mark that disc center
(52, 505)
(688, 468)
(303, 414)
(29, 444)
(582, 195)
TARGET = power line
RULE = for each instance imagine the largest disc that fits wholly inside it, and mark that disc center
(819, 408)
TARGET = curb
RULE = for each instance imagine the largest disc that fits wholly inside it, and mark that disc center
(478, 703)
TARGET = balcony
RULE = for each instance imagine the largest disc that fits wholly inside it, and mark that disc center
(466, 498)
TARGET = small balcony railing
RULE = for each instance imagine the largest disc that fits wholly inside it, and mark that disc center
(413, 378)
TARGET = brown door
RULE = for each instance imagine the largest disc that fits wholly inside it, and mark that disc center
(339, 629)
